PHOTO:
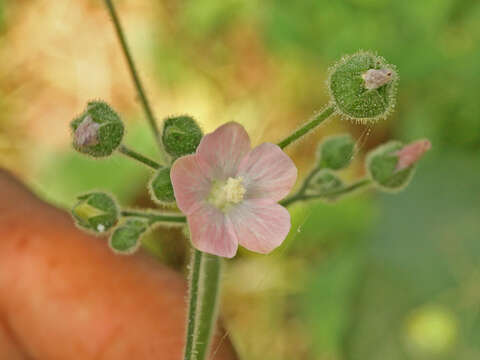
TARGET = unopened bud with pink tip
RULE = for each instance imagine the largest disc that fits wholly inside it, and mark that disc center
(97, 132)
(391, 165)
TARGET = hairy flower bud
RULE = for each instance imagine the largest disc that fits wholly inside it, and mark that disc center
(336, 152)
(96, 212)
(125, 239)
(160, 187)
(324, 182)
(363, 87)
(98, 131)
(391, 166)
(181, 135)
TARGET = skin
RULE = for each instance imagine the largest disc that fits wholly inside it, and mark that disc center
(65, 295)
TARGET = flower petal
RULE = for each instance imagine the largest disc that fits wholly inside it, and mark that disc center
(220, 153)
(212, 232)
(261, 225)
(267, 173)
(411, 153)
(190, 185)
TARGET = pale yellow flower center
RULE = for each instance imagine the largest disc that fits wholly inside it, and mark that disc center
(224, 194)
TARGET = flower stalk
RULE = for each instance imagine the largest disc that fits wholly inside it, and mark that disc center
(192, 303)
(154, 217)
(136, 79)
(302, 196)
(204, 287)
(309, 126)
(138, 157)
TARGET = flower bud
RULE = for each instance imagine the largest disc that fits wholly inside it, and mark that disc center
(181, 135)
(98, 131)
(324, 182)
(161, 188)
(336, 152)
(391, 166)
(125, 239)
(363, 87)
(96, 212)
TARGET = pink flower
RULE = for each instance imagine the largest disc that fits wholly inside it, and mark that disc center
(229, 192)
(411, 153)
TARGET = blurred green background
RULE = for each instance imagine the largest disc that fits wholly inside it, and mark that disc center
(371, 277)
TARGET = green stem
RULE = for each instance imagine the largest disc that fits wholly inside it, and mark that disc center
(308, 179)
(193, 302)
(139, 157)
(154, 217)
(134, 73)
(209, 290)
(340, 192)
(203, 304)
(309, 126)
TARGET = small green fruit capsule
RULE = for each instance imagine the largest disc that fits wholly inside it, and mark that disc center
(96, 212)
(391, 166)
(161, 187)
(324, 182)
(98, 131)
(181, 135)
(363, 87)
(125, 239)
(336, 152)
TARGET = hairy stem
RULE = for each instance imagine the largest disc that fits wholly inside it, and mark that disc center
(155, 217)
(307, 180)
(339, 192)
(209, 290)
(134, 73)
(309, 126)
(139, 157)
(203, 303)
(192, 303)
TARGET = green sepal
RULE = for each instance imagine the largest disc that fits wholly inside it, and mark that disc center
(96, 212)
(125, 239)
(98, 131)
(181, 135)
(323, 182)
(161, 188)
(336, 152)
(382, 168)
